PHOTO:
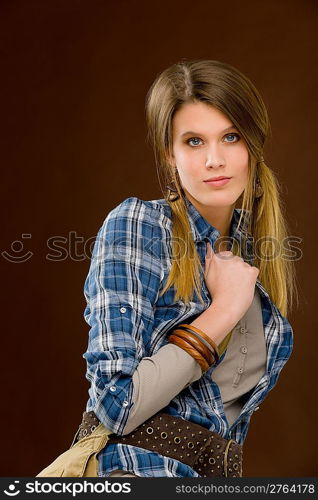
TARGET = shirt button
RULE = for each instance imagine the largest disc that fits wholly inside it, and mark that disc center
(112, 388)
(243, 330)
(125, 403)
(244, 350)
(123, 309)
(240, 370)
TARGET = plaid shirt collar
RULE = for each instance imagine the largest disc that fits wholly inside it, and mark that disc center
(202, 229)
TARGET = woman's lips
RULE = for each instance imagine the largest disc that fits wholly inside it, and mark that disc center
(218, 182)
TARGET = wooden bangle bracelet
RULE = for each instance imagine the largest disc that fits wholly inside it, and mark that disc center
(199, 337)
(205, 336)
(196, 343)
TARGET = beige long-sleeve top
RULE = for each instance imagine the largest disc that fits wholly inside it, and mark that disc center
(159, 378)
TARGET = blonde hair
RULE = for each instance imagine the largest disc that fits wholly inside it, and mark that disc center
(228, 90)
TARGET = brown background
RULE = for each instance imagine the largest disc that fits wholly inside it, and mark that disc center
(74, 80)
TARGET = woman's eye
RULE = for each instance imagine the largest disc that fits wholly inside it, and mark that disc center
(231, 136)
(193, 139)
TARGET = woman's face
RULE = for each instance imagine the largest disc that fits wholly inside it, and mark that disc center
(206, 145)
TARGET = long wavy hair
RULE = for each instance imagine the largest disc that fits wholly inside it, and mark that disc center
(228, 90)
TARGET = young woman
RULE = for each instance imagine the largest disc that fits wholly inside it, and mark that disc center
(187, 296)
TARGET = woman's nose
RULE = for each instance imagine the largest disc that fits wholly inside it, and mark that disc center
(214, 160)
(214, 155)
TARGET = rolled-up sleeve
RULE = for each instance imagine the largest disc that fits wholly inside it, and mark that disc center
(121, 289)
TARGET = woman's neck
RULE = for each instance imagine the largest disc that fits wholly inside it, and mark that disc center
(218, 217)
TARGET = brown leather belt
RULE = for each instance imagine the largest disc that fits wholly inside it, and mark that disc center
(208, 453)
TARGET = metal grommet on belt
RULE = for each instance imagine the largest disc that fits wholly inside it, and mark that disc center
(206, 451)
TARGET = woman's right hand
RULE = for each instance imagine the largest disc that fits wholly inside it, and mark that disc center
(230, 281)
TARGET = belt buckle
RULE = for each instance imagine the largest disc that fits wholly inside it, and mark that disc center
(227, 448)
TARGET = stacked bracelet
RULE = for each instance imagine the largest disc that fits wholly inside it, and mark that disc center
(197, 344)
(203, 337)
(192, 339)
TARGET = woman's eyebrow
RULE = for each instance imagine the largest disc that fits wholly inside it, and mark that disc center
(198, 133)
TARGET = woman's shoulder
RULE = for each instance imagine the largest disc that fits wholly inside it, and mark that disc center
(136, 223)
(138, 210)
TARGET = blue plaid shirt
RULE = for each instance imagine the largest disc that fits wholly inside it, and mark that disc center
(128, 320)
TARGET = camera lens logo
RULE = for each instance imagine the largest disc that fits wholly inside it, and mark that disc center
(18, 253)
(13, 492)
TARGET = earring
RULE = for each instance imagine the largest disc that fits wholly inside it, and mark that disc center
(258, 189)
(173, 192)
